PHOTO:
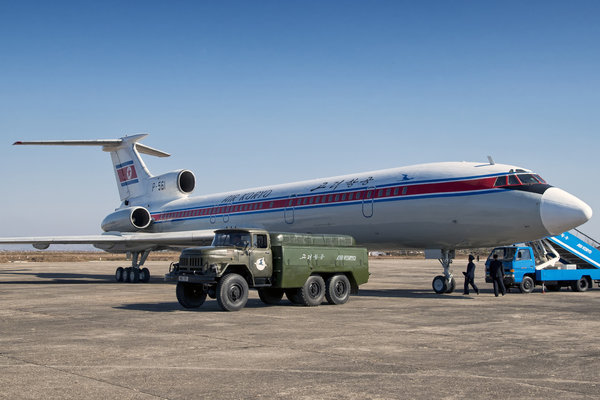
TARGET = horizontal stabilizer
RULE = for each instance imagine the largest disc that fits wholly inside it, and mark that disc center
(107, 144)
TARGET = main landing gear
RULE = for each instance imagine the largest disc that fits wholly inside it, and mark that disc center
(445, 283)
(134, 273)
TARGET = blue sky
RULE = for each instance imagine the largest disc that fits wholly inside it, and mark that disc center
(290, 90)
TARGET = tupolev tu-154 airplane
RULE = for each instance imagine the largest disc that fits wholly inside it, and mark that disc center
(445, 206)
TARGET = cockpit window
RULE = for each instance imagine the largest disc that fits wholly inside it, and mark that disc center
(527, 179)
(500, 181)
(539, 178)
(512, 180)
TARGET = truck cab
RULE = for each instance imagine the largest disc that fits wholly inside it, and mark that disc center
(519, 266)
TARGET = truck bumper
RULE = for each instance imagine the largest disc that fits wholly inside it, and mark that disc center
(189, 278)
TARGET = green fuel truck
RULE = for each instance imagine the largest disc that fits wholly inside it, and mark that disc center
(307, 268)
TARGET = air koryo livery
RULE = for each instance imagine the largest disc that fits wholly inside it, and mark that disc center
(445, 206)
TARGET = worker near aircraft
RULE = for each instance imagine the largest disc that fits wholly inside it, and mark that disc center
(497, 275)
(470, 276)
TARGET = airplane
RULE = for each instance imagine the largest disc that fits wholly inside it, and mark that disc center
(443, 205)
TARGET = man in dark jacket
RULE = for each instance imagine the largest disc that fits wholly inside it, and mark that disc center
(497, 275)
(470, 276)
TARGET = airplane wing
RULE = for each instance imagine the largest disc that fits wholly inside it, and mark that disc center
(119, 242)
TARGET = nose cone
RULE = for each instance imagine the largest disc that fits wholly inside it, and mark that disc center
(561, 211)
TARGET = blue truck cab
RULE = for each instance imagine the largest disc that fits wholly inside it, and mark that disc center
(523, 270)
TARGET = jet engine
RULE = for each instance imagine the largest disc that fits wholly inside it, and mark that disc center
(172, 184)
(129, 219)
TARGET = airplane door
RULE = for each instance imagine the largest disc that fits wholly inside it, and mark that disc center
(288, 213)
(367, 202)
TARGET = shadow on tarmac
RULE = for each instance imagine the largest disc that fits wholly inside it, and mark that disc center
(64, 278)
(209, 306)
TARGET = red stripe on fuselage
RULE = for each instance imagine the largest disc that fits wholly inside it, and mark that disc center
(334, 198)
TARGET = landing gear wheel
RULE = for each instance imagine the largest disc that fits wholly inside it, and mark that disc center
(313, 291)
(126, 274)
(145, 275)
(451, 285)
(337, 289)
(119, 274)
(293, 295)
(190, 295)
(232, 292)
(440, 284)
(526, 285)
(581, 285)
(270, 295)
(134, 275)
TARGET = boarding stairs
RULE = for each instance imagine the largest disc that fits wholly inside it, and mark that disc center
(575, 247)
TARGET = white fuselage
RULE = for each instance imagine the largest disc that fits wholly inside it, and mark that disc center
(439, 205)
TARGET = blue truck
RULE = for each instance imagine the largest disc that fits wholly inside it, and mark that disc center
(570, 259)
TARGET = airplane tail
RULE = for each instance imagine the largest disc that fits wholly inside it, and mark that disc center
(132, 175)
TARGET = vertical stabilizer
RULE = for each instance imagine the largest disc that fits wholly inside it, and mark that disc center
(130, 171)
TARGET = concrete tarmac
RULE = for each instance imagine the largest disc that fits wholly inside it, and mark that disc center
(68, 331)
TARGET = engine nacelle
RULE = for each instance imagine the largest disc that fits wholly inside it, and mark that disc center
(172, 184)
(129, 219)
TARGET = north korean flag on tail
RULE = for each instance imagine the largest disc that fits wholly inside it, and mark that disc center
(126, 173)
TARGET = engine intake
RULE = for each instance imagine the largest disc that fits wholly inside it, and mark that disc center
(129, 219)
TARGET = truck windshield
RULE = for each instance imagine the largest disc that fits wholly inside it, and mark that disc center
(237, 239)
(504, 253)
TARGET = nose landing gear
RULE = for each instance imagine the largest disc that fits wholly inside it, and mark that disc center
(445, 283)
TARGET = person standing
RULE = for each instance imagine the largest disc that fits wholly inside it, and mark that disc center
(470, 276)
(497, 275)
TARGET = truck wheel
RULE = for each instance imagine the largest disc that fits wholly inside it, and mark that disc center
(293, 295)
(526, 285)
(313, 291)
(232, 292)
(190, 295)
(338, 289)
(270, 295)
(581, 285)
(439, 284)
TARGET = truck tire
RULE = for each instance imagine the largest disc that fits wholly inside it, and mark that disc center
(337, 289)
(581, 285)
(190, 295)
(313, 291)
(232, 292)
(270, 295)
(526, 285)
(293, 295)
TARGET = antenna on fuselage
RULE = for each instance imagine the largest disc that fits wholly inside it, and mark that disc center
(491, 160)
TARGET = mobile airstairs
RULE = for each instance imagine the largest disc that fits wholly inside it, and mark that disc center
(571, 259)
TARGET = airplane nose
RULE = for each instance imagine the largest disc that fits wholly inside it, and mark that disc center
(561, 211)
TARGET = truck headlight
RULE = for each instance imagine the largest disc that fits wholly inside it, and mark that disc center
(213, 267)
